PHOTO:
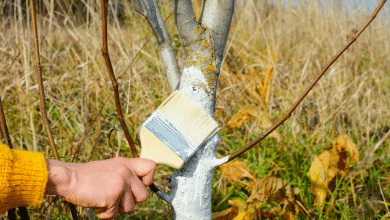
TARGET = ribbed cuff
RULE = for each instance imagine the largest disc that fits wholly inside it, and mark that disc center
(24, 176)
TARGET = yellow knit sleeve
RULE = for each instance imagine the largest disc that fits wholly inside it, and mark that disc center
(23, 177)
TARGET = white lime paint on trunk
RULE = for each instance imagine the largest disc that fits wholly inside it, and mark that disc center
(204, 42)
(191, 83)
(191, 185)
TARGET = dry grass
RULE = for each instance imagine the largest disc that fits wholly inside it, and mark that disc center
(351, 98)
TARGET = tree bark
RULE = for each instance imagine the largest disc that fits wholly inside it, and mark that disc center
(204, 45)
(204, 42)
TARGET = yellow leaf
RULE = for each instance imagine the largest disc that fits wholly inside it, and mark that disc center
(218, 113)
(319, 175)
(326, 166)
(267, 190)
(236, 170)
(273, 189)
(265, 92)
(226, 214)
(245, 114)
(245, 212)
(345, 143)
(237, 120)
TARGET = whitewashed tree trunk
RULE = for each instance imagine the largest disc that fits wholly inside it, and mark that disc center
(204, 45)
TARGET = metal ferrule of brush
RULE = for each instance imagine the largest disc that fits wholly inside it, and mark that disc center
(170, 135)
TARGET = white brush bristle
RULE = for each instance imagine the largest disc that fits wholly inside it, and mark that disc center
(189, 117)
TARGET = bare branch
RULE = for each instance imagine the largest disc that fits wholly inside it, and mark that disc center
(42, 97)
(150, 10)
(4, 128)
(121, 119)
(288, 114)
(41, 89)
(114, 82)
(5, 134)
(217, 17)
(185, 19)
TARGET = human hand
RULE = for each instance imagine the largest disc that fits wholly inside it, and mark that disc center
(111, 187)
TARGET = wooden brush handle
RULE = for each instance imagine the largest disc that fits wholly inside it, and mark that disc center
(154, 149)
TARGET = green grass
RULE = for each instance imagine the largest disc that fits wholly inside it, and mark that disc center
(292, 165)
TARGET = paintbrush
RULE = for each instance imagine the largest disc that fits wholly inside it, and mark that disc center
(173, 133)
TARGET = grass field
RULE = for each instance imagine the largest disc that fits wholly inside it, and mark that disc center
(352, 98)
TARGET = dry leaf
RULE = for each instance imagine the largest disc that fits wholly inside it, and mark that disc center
(239, 211)
(226, 214)
(267, 190)
(237, 120)
(236, 170)
(279, 191)
(327, 165)
(273, 189)
(344, 143)
(251, 110)
(342, 146)
(246, 211)
(320, 173)
(218, 113)
(265, 92)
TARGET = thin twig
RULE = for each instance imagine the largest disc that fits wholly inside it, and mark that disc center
(4, 128)
(6, 138)
(288, 114)
(121, 119)
(42, 98)
(41, 89)
(114, 82)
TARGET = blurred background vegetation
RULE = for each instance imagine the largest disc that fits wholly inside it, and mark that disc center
(352, 98)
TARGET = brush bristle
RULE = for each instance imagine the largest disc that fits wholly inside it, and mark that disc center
(189, 117)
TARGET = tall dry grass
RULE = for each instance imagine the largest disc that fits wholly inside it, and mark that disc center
(351, 98)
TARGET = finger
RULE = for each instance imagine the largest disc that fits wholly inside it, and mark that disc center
(138, 190)
(144, 168)
(127, 203)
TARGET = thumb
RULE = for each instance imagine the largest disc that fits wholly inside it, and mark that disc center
(144, 168)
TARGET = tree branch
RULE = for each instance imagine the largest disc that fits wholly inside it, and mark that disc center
(288, 114)
(40, 82)
(185, 19)
(4, 128)
(42, 99)
(7, 139)
(121, 119)
(150, 10)
(217, 16)
(114, 82)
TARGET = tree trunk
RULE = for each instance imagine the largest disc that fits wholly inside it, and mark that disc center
(204, 45)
